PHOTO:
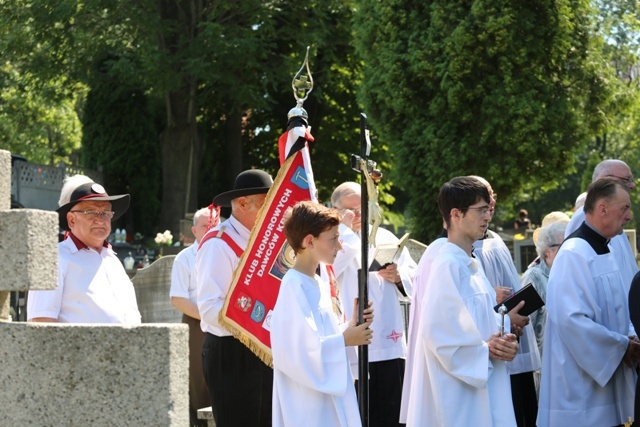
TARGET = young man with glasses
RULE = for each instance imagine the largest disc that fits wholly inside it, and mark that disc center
(93, 286)
(460, 374)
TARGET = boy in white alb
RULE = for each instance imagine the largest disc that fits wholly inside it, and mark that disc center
(312, 382)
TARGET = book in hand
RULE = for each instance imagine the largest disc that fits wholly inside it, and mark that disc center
(387, 253)
(532, 301)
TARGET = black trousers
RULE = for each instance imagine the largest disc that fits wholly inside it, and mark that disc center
(385, 392)
(525, 401)
(240, 384)
(198, 391)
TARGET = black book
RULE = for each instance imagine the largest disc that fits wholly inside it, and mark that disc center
(530, 296)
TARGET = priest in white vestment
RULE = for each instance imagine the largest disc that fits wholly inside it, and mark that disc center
(619, 244)
(460, 374)
(588, 366)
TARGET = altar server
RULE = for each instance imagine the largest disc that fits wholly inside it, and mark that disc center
(312, 381)
(462, 377)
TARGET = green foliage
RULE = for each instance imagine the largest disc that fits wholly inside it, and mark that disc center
(38, 124)
(493, 88)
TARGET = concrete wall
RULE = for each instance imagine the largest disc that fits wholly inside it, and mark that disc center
(93, 375)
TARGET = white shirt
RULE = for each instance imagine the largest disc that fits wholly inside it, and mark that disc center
(92, 288)
(455, 383)
(388, 340)
(312, 382)
(584, 382)
(419, 283)
(183, 274)
(215, 264)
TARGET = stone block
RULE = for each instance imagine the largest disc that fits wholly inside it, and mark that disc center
(5, 180)
(28, 249)
(94, 375)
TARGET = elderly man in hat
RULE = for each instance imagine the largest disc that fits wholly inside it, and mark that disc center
(93, 286)
(240, 384)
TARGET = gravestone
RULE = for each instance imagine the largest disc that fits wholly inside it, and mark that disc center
(78, 375)
(152, 285)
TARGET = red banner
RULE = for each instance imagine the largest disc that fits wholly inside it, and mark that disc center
(256, 281)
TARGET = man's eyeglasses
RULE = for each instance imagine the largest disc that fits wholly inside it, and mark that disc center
(556, 245)
(623, 179)
(482, 209)
(96, 214)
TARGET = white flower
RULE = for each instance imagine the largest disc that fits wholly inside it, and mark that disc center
(165, 238)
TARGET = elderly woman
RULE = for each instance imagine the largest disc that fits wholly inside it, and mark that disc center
(547, 240)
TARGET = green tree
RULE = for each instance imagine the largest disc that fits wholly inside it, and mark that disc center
(221, 71)
(503, 90)
(39, 124)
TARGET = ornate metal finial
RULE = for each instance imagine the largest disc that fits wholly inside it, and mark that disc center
(302, 86)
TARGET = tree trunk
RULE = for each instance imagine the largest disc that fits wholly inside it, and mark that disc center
(180, 145)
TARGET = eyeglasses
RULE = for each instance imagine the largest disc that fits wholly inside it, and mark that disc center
(483, 210)
(623, 179)
(557, 245)
(96, 214)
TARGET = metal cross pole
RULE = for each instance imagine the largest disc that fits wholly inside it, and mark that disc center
(360, 164)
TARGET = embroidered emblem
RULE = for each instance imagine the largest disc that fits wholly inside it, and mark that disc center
(244, 303)
(257, 314)
(299, 178)
(395, 336)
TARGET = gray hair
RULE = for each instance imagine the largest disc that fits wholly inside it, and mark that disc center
(550, 235)
(199, 213)
(343, 190)
(69, 185)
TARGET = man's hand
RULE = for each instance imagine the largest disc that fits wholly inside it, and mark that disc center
(516, 319)
(346, 217)
(503, 348)
(632, 355)
(390, 273)
(502, 293)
